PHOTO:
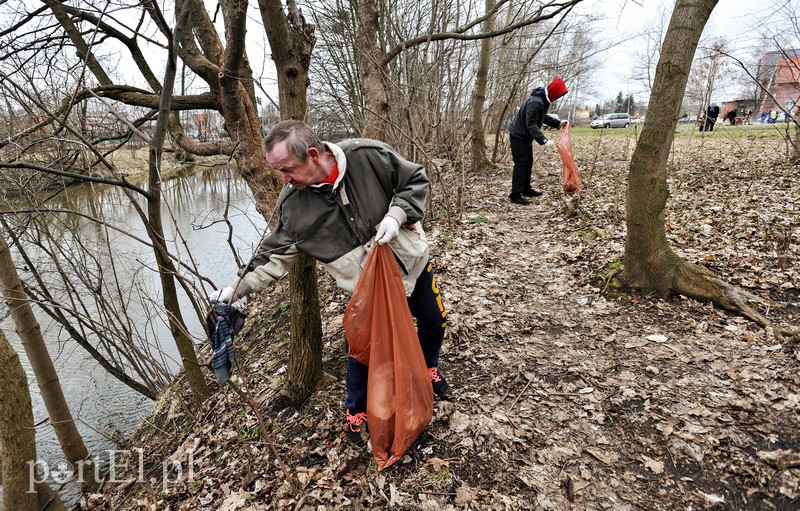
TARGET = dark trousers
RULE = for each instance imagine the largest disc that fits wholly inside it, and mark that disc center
(522, 153)
(710, 123)
(425, 304)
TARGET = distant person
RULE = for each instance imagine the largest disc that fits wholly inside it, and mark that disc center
(773, 116)
(732, 117)
(764, 116)
(711, 116)
(524, 128)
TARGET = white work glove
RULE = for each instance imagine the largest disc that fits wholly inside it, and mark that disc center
(222, 295)
(549, 143)
(564, 124)
(387, 231)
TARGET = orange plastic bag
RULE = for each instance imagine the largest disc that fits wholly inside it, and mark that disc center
(381, 334)
(569, 175)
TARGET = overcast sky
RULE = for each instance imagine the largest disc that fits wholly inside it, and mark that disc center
(739, 21)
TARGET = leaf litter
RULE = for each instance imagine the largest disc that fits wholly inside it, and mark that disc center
(566, 395)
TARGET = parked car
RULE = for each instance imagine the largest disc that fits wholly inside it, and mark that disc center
(688, 119)
(618, 120)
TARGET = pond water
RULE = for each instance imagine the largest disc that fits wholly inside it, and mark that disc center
(107, 410)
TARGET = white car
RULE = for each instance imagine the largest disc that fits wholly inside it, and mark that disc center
(618, 120)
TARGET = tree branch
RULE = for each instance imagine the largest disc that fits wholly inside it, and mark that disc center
(460, 35)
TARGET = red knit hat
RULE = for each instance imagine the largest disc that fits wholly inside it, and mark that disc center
(556, 89)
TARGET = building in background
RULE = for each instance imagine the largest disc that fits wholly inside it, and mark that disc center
(779, 76)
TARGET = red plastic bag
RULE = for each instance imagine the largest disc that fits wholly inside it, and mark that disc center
(569, 175)
(381, 334)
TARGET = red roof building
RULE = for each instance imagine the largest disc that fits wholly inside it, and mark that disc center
(779, 74)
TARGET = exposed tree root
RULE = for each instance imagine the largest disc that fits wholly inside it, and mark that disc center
(702, 284)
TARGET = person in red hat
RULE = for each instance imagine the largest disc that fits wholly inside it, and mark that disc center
(524, 128)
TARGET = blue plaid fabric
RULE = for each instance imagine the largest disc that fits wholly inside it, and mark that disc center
(223, 323)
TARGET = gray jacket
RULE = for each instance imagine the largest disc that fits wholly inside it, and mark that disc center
(336, 224)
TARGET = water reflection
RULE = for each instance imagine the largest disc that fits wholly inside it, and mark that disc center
(193, 211)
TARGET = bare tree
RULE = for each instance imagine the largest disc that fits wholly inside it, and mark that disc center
(708, 69)
(650, 263)
(645, 57)
(374, 60)
(58, 121)
(46, 377)
(95, 320)
(292, 41)
(155, 225)
(222, 80)
(17, 438)
(15, 414)
(479, 160)
(772, 75)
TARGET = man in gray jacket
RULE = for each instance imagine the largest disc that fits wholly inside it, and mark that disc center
(338, 200)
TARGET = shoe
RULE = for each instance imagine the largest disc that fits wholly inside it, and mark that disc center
(517, 199)
(440, 386)
(531, 193)
(353, 427)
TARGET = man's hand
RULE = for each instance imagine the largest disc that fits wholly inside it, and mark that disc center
(549, 143)
(222, 295)
(387, 231)
(564, 124)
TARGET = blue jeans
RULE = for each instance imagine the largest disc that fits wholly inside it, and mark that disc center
(425, 304)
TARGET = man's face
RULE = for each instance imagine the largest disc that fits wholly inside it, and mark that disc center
(298, 174)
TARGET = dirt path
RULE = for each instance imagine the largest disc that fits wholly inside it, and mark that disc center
(565, 397)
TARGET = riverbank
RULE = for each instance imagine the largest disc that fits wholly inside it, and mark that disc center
(92, 237)
(130, 164)
(564, 396)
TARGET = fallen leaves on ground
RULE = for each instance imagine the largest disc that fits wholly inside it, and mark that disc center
(565, 396)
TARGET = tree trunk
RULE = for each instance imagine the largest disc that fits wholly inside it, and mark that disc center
(166, 273)
(155, 229)
(292, 41)
(370, 62)
(305, 351)
(650, 263)
(29, 331)
(17, 438)
(503, 82)
(46, 498)
(479, 160)
(649, 260)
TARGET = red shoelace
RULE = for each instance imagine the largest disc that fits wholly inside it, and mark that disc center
(354, 421)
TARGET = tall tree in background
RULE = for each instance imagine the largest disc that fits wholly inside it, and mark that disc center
(709, 68)
(650, 264)
(645, 57)
(374, 59)
(480, 162)
(292, 41)
(155, 224)
(619, 103)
